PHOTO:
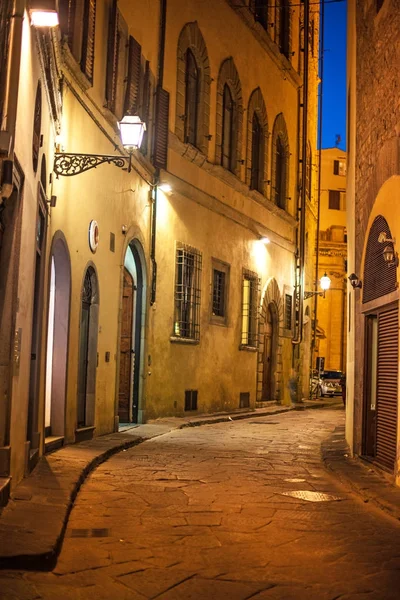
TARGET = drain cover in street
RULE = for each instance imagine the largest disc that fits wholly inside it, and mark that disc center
(312, 496)
(295, 480)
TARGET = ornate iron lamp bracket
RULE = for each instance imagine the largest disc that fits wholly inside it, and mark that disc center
(68, 164)
(308, 295)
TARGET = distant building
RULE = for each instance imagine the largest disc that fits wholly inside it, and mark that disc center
(332, 259)
(173, 285)
(373, 195)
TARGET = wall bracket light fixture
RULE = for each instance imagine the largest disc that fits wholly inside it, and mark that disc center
(391, 257)
(69, 164)
(355, 282)
(325, 284)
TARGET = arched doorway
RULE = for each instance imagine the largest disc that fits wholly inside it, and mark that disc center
(88, 350)
(269, 354)
(57, 342)
(132, 336)
(269, 371)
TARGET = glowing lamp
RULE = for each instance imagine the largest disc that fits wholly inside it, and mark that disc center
(43, 13)
(325, 282)
(132, 130)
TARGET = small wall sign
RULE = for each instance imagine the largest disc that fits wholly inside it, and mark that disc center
(93, 236)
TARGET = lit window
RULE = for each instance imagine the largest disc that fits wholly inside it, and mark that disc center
(187, 292)
(250, 285)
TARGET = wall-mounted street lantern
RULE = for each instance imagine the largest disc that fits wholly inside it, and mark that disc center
(43, 13)
(390, 257)
(325, 284)
(131, 129)
(355, 282)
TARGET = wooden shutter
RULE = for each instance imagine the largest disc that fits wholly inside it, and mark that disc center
(160, 151)
(336, 167)
(112, 57)
(88, 39)
(132, 95)
(379, 277)
(388, 364)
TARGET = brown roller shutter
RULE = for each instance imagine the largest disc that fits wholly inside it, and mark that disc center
(388, 364)
(88, 38)
(112, 58)
(160, 152)
(379, 277)
(134, 76)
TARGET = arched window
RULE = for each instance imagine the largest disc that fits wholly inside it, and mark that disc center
(257, 156)
(280, 163)
(228, 150)
(282, 26)
(257, 142)
(191, 99)
(192, 89)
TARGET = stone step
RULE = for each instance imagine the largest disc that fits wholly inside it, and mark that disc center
(4, 490)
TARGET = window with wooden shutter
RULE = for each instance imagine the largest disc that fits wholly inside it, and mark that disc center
(132, 96)
(5, 22)
(282, 26)
(112, 57)
(88, 38)
(257, 155)
(228, 118)
(280, 174)
(160, 149)
(145, 107)
(334, 199)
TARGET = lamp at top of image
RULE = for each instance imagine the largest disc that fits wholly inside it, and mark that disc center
(43, 13)
(132, 130)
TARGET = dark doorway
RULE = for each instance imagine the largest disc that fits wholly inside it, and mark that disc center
(269, 355)
(127, 352)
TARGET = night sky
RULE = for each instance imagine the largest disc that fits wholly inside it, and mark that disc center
(334, 87)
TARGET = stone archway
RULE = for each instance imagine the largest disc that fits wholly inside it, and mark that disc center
(270, 328)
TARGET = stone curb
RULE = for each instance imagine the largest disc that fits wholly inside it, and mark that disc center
(369, 483)
(24, 543)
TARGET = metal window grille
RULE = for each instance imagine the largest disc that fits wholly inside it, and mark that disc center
(288, 311)
(250, 289)
(244, 399)
(187, 292)
(218, 306)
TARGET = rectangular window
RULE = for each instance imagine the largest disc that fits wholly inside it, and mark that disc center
(250, 284)
(219, 289)
(187, 292)
(78, 25)
(117, 62)
(334, 199)
(339, 168)
(190, 400)
(288, 311)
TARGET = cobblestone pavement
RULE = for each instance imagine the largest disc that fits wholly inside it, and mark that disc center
(226, 511)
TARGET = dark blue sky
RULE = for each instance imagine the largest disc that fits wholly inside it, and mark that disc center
(334, 86)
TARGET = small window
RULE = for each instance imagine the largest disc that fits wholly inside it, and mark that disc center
(116, 70)
(220, 287)
(288, 311)
(250, 285)
(78, 20)
(257, 156)
(187, 293)
(282, 25)
(191, 400)
(334, 199)
(280, 181)
(339, 168)
(259, 8)
(191, 99)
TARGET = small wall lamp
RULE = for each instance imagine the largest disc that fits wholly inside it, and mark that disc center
(43, 13)
(390, 257)
(355, 282)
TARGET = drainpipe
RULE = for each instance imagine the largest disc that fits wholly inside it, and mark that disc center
(321, 96)
(302, 227)
(160, 81)
(7, 133)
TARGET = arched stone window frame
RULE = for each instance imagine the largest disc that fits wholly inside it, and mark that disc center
(192, 39)
(256, 105)
(280, 136)
(228, 75)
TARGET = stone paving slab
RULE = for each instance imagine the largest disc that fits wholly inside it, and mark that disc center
(32, 525)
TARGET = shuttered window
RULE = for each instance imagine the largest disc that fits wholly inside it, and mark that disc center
(334, 199)
(5, 23)
(388, 364)
(257, 155)
(259, 8)
(379, 277)
(78, 26)
(160, 149)
(88, 38)
(228, 146)
(116, 73)
(282, 26)
(132, 98)
(280, 173)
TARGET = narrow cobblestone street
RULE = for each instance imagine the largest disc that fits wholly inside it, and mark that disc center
(225, 511)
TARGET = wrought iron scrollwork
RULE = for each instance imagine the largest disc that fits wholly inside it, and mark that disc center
(72, 164)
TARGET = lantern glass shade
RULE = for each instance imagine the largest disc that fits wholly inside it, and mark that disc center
(132, 130)
(325, 282)
(388, 254)
(43, 13)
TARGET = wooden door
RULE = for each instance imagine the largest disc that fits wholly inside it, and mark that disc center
(371, 361)
(126, 351)
(267, 358)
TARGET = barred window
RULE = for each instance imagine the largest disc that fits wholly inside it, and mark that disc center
(220, 287)
(250, 285)
(187, 292)
(288, 311)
